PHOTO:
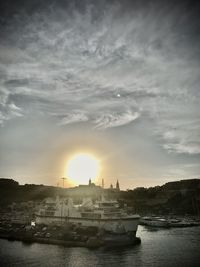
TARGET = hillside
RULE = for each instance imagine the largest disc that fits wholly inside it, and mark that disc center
(180, 197)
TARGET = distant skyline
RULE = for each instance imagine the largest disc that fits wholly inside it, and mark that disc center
(116, 79)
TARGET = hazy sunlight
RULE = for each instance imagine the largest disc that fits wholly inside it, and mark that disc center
(82, 167)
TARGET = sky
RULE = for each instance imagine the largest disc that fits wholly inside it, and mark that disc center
(117, 79)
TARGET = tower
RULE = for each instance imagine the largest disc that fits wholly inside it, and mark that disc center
(117, 186)
(90, 182)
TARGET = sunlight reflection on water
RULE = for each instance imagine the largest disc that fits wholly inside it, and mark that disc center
(165, 247)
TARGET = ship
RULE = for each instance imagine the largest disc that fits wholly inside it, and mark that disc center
(104, 214)
(154, 222)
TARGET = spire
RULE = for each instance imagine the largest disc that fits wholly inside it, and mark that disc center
(117, 186)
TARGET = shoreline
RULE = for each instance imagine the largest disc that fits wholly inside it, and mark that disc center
(90, 243)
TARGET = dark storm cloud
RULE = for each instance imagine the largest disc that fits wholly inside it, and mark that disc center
(104, 62)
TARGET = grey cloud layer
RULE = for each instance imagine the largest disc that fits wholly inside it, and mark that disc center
(109, 69)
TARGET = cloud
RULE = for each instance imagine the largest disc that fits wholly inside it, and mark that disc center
(114, 120)
(181, 137)
(8, 109)
(72, 118)
(108, 65)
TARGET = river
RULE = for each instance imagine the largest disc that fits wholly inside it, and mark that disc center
(163, 247)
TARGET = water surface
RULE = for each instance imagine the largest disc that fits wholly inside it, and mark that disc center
(166, 247)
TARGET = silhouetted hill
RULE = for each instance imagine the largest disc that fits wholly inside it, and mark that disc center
(5, 182)
(11, 191)
(179, 197)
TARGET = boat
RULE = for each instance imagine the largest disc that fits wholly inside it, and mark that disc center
(154, 222)
(167, 222)
(104, 214)
(182, 223)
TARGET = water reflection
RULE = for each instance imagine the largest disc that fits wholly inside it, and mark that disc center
(165, 247)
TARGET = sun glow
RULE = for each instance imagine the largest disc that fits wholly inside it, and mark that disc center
(82, 167)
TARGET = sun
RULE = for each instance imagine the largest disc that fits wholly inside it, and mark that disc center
(82, 167)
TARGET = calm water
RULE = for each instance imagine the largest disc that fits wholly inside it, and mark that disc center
(171, 247)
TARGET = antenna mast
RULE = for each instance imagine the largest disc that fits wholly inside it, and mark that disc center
(63, 178)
